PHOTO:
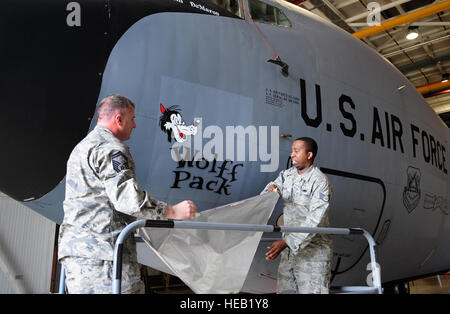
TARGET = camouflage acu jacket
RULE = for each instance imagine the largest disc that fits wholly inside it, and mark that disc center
(102, 196)
(306, 199)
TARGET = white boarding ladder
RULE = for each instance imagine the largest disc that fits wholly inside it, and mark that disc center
(185, 224)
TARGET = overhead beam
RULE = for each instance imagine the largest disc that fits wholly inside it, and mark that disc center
(392, 38)
(431, 24)
(444, 14)
(346, 3)
(402, 41)
(407, 18)
(331, 13)
(415, 46)
(441, 108)
(432, 87)
(440, 93)
(335, 16)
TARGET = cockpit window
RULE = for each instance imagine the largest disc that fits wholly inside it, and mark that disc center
(232, 6)
(264, 13)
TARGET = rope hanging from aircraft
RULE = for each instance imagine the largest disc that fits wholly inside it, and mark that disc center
(276, 58)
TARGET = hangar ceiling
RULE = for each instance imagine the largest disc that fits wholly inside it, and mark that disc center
(424, 60)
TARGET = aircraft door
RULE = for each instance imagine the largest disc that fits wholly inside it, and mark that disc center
(357, 202)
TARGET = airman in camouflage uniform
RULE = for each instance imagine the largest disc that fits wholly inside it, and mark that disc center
(102, 197)
(305, 264)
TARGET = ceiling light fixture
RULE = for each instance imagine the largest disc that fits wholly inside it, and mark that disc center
(413, 33)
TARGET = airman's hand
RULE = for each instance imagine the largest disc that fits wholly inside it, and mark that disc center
(182, 210)
(275, 249)
(274, 187)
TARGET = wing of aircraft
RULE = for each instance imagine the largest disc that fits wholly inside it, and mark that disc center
(229, 117)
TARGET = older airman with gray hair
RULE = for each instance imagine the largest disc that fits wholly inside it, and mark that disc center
(102, 197)
(305, 265)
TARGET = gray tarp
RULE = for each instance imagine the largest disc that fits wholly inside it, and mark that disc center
(212, 261)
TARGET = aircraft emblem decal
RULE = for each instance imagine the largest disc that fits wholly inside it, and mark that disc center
(411, 192)
(171, 123)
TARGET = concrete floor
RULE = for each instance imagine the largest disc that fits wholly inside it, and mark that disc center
(159, 283)
(431, 285)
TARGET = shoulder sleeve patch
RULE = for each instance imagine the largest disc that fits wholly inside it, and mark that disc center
(120, 161)
(324, 197)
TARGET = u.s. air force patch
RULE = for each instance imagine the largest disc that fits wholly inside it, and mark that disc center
(120, 162)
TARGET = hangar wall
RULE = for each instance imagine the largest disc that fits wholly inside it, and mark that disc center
(26, 249)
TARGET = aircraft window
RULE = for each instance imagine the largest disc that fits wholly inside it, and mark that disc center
(232, 6)
(262, 12)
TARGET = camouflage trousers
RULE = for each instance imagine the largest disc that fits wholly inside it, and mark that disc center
(307, 272)
(92, 276)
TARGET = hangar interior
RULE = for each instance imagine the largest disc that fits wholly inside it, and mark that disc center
(418, 46)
